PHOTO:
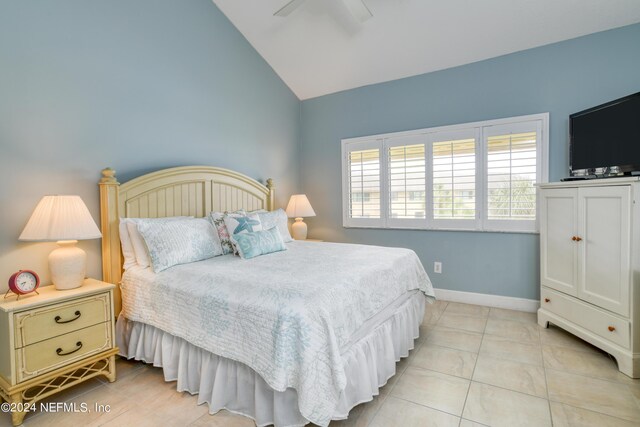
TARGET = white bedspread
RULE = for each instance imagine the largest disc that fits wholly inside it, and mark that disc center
(287, 315)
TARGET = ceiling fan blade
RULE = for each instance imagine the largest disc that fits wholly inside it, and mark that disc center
(288, 8)
(358, 9)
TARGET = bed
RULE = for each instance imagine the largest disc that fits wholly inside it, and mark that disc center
(297, 336)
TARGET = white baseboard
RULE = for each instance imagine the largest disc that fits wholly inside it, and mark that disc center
(498, 301)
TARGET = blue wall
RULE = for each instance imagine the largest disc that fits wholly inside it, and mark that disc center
(150, 84)
(137, 85)
(560, 79)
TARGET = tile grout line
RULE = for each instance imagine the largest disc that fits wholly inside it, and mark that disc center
(595, 412)
(610, 380)
(454, 348)
(466, 397)
(546, 381)
(590, 377)
(425, 406)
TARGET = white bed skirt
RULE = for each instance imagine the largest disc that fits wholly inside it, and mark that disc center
(226, 384)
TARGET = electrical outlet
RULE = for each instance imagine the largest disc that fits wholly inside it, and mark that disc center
(437, 267)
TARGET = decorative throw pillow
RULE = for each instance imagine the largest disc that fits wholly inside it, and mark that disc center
(253, 244)
(179, 242)
(137, 242)
(239, 224)
(277, 218)
(217, 219)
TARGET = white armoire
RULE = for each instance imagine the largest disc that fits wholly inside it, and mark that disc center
(590, 264)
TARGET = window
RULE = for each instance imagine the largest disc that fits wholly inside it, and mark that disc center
(407, 166)
(364, 179)
(453, 183)
(475, 176)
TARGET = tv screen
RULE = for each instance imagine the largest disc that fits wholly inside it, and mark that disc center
(607, 135)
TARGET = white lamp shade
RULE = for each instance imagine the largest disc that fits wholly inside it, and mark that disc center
(299, 207)
(60, 218)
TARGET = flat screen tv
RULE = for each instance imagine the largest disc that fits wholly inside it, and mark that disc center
(606, 138)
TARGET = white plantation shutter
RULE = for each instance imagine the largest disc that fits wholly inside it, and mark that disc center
(475, 176)
(364, 188)
(363, 192)
(407, 180)
(512, 170)
(454, 178)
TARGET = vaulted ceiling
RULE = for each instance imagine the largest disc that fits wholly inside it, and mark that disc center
(321, 48)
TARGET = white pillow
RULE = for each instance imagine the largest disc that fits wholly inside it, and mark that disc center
(179, 241)
(127, 246)
(277, 218)
(137, 242)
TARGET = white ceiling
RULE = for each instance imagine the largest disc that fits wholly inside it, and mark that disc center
(320, 48)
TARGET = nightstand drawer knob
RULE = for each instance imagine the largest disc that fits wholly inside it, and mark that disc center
(611, 328)
(78, 347)
(547, 300)
(59, 320)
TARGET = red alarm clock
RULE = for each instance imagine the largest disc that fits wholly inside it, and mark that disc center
(23, 282)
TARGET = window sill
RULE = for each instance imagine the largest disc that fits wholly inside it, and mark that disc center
(467, 230)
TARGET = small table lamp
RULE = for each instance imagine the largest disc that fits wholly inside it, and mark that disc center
(298, 208)
(64, 219)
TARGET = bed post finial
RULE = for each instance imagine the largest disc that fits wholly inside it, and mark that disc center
(109, 222)
(108, 176)
(271, 203)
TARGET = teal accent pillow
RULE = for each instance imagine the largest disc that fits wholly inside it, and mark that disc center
(240, 224)
(251, 245)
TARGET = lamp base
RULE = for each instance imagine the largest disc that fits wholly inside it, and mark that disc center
(299, 230)
(67, 265)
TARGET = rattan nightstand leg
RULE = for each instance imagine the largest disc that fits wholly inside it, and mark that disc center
(17, 416)
(111, 376)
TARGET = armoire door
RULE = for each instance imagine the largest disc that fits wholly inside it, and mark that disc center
(558, 227)
(605, 247)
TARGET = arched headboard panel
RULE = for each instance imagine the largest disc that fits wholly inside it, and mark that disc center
(188, 190)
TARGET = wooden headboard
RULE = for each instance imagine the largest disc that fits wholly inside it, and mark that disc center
(188, 190)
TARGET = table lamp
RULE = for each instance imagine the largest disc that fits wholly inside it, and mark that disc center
(65, 220)
(298, 208)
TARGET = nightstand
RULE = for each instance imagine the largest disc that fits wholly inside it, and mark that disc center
(55, 340)
(312, 240)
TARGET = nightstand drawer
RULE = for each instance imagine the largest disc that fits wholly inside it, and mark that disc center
(47, 322)
(53, 353)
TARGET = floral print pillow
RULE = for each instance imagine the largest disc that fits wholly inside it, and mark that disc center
(217, 219)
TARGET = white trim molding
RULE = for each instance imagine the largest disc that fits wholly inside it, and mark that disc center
(497, 301)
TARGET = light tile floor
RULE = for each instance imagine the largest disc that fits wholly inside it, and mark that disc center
(472, 366)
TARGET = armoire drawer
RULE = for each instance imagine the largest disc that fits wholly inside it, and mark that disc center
(596, 320)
